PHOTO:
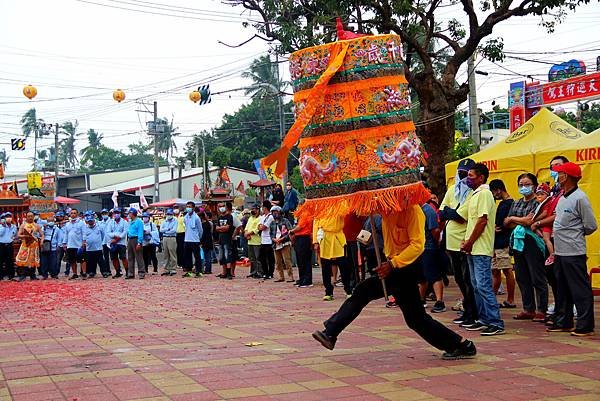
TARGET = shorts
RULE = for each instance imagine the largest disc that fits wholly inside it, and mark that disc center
(432, 264)
(75, 256)
(225, 254)
(502, 259)
(118, 252)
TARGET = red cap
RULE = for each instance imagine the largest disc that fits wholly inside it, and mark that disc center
(543, 188)
(571, 169)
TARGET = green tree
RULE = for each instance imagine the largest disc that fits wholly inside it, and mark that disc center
(166, 140)
(94, 144)
(292, 25)
(3, 158)
(264, 76)
(221, 156)
(67, 154)
(590, 119)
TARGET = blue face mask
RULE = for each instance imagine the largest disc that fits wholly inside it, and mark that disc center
(188, 210)
(50, 224)
(169, 217)
(525, 190)
(554, 175)
(117, 216)
(104, 218)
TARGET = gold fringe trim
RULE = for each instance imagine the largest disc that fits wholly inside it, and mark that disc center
(381, 201)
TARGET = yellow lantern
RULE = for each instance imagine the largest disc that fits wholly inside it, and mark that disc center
(30, 92)
(195, 96)
(119, 95)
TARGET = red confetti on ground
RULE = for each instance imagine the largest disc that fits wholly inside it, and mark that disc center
(40, 292)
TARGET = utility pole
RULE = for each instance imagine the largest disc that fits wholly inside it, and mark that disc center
(281, 114)
(56, 159)
(156, 177)
(473, 113)
(203, 160)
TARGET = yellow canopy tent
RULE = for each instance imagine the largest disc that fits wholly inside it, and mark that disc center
(519, 152)
(586, 152)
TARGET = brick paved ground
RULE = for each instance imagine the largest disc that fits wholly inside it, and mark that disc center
(188, 339)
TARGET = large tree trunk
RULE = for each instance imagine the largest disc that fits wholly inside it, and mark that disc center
(435, 126)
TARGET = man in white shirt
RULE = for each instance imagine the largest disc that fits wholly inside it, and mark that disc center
(267, 257)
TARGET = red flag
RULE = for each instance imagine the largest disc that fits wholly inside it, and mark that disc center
(224, 175)
(196, 191)
(240, 188)
(143, 201)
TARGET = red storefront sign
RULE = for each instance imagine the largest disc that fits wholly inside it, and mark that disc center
(572, 89)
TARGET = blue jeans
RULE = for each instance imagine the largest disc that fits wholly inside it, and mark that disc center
(208, 257)
(480, 268)
(48, 264)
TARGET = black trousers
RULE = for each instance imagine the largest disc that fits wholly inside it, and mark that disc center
(303, 249)
(371, 259)
(345, 272)
(180, 237)
(105, 267)
(351, 251)
(149, 253)
(573, 288)
(93, 259)
(7, 261)
(463, 280)
(267, 259)
(191, 251)
(402, 284)
(531, 277)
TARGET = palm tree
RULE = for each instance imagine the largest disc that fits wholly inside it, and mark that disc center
(3, 157)
(90, 152)
(68, 155)
(30, 123)
(166, 139)
(263, 71)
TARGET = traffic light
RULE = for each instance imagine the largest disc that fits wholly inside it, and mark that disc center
(17, 144)
(204, 94)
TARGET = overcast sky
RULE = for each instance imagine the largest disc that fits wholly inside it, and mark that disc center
(76, 53)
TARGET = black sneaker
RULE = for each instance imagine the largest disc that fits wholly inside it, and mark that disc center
(459, 320)
(466, 350)
(324, 339)
(165, 274)
(117, 275)
(34, 277)
(439, 307)
(129, 277)
(477, 326)
(492, 331)
(74, 277)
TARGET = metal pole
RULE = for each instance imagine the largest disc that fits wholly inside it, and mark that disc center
(377, 254)
(35, 136)
(280, 110)
(204, 185)
(473, 113)
(156, 177)
(179, 168)
(56, 159)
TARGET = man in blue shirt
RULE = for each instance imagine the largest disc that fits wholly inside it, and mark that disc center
(8, 232)
(116, 231)
(72, 241)
(53, 239)
(135, 237)
(103, 223)
(193, 233)
(168, 229)
(93, 238)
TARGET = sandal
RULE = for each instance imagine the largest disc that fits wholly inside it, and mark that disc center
(507, 305)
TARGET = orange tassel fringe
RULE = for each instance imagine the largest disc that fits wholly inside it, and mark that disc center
(381, 201)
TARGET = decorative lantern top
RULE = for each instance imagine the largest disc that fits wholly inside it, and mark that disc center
(30, 91)
(119, 95)
(195, 96)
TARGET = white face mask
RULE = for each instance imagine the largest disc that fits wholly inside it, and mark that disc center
(222, 209)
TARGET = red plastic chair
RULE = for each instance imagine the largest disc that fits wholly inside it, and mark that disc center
(594, 270)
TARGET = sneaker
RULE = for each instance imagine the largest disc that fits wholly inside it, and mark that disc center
(207, 272)
(477, 326)
(467, 323)
(33, 277)
(328, 298)
(117, 275)
(91, 275)
(439, 307)
(550, 260)
(466, 350)
(459, 320)
(348, 296)
(165, 274)
(391, 304)
(305, 286)
(188, 274)
(558, 329)
(324, 339)
(339, 283)
(581, 333)
(458, 306)
(198, 275)
(279, 280)
(22, 278)
(141, 277)
(129, 277)
(539, 317)
(173, 274)
(74, 277)
(492, 331)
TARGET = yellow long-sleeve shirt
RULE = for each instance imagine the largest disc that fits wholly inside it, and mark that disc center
(334, 240)
(404, 236)
(180, 224)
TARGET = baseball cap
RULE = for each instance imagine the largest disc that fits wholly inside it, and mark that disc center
(170, 211)
(545, 188)
(104, 211)
(133, 211)
(571, 169)
(7, 214)
(145, 214)
(117, 210)
(275, 209)
(89, 218)
(466, 164)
